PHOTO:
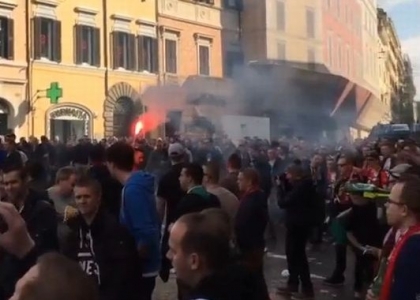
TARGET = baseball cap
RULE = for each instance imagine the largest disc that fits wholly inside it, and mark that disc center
(398, 170)
(175, 149)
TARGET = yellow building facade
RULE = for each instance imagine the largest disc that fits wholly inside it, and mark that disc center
(90, 62)
(13, 71)
(391, 62)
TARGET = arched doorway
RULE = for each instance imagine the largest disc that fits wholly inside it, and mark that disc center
(124, 114)
(4, 117)
(68, 121)
(120, 109)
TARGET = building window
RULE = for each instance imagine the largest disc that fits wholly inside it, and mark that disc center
(171, 56)
(346, 12)
(330, 50)
(204, 60)
(338, 8)
(339, 55)
(233, 60)
(281, 15)
(348, 60)
(310, 23)
(235, 4)
(124, 50)
(47, 39)
(87, 45)
(6, 38)
(281, 51)
(147, 47)
(311, 58)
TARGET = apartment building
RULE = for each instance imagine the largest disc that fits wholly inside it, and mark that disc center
(13, 67)
(370, 46)
(283, 30)
(342, 32)
(392, 64)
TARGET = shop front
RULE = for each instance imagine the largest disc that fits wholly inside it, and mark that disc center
(67, 122)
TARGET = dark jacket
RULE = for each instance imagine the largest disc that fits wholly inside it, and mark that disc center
(300, 202)
(196, 200)
(251, 221)
(276, 167)
(232, 283)
(41, 221)
(13, 159)
(264, 170)
(170, 191)
(114, 252)
(111, 188)
(407, 271)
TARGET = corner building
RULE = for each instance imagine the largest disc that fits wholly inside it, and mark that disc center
(13, 68)
(90, 62)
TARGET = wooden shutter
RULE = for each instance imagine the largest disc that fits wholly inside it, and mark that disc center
(36, 22)
(56, 40)
(140, 53)
(168, 56)
(115, 54)
(204, 60)
(10, 39)
(96, 47)
(78, 48)
(155, 56)
(131, 52)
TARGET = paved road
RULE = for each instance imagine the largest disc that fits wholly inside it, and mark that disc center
(321, 264)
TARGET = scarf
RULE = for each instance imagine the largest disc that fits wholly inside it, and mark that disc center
(199, 190)
(389, 274)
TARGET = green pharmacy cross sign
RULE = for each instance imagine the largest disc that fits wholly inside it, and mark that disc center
(54, 92)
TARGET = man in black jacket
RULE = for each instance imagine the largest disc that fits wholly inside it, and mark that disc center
(13, 156)
(111, 188)
(199, 248)
(104, 249)
(40, 219)
(45, 277)
(298, 199)
(250, 223)
(197, 198)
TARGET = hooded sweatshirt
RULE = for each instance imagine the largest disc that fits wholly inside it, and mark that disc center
(139, 215)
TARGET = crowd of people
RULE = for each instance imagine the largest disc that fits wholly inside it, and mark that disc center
(102, 220)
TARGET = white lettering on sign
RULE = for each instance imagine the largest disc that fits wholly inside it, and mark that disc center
(69, 112)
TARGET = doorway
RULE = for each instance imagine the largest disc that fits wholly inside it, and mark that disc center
(123, 118)
(4, 117)
(67, 130)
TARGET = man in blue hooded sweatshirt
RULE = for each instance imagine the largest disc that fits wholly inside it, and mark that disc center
(138, 211)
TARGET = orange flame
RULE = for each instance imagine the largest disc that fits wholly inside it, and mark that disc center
(148, 122)
(138, 127)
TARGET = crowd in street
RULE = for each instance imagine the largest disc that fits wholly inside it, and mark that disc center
(103, 219)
